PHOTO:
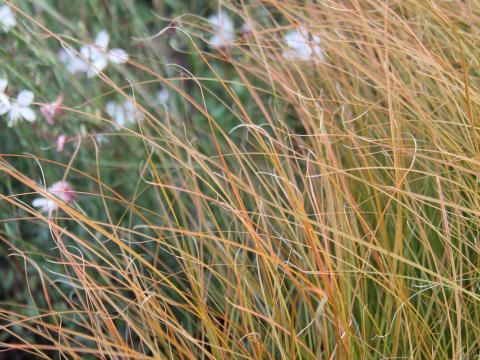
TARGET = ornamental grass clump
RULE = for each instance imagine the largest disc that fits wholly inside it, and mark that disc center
(306, 189)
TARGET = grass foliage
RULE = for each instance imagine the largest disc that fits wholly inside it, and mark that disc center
(271, 208)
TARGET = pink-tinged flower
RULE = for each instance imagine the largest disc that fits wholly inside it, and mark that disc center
(61, 190)
(61, 141)
(52, 110)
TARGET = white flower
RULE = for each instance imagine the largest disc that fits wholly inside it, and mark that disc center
(302, 45)
(20, 109)
(162, 96)
(246, 28)
(44, 204)
(101, 139)
(7, 18)
(224, 34)
(72, 62)
(4, 101)
(98, 56)
(61, 190)
(123, 113)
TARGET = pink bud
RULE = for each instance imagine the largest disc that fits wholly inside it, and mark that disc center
(51, 110)
(63, 190)
(61, 141)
